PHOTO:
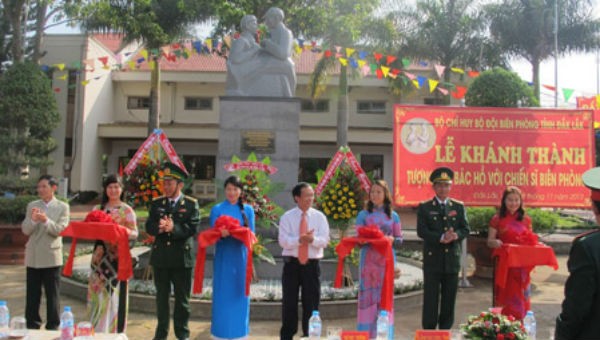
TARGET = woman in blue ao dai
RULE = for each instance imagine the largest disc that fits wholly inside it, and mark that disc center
(378, 212)
(230, 305)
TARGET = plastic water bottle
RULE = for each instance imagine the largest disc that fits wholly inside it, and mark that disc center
(383, 325)
(530, 325)
(314, 326)
(67, 324)
(4, 319)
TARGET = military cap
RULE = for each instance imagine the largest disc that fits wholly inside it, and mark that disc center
(442, 174)
(591, 179)
(172, 171)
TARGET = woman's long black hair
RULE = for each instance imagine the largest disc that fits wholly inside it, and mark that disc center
(503, 210)
(387, 200)
(235, 181)
(110, 179)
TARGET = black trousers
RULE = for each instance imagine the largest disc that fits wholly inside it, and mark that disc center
(181, 278)
(49, 278)
(299, 278)
(439, 298)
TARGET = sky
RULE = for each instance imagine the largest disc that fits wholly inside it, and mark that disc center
(579, 72)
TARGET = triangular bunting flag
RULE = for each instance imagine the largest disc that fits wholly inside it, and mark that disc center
(131, 65)
(473, 74)
(349, 51)
(63, 77)
(361, 63)
(390, 59)
(416, 83)
(197, 46)
(85, 82)
(405, 62)
(144, 54)
(439, 69)
(327, 53)
(60, 66)
(365, 70)
(373, 68)
(567, 93)
(379, 74)
(385, 70)
(337, 48)
(362, 54)
(344, 61)
(353, 63)
(459, 92)
(377, 56)
(421, 81)
(549, 87)
(458, 70)
(432, 85)
(151, 64)
(410, 75)
(209, 44)
(442, 90)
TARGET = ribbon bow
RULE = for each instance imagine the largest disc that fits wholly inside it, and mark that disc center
(212, 236)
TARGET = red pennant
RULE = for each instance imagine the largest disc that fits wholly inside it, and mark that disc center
(378, 56)
(473, 74)
(379, 73)
(57, 89)
(390, 59)
(103, 60)
(459, 92)
(551, 88)
(328, 54)
(395, 71)
(176, 46)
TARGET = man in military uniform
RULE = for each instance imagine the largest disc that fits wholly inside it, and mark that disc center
(173, 221)
(442, 224)
(580, 315)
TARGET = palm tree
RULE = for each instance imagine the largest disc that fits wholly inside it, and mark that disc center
(448, 32)
(525, 28)
(152, 22)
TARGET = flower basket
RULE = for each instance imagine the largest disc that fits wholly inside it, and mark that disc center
(493, 326)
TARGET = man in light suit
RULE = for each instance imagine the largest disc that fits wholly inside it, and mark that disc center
(45, 220)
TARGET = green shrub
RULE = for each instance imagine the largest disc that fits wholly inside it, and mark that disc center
(541, 220)
(13, 210)
(17, 185)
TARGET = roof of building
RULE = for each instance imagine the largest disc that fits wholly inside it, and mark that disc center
(112, 41)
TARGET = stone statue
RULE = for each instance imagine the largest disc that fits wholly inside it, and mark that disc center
(266, 69)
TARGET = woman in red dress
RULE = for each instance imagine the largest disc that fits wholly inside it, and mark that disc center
(512, 225)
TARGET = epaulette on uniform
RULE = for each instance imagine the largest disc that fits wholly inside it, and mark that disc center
(457, 201)
(427, 201)
(158, 198)
(193, 199)
(587, 233)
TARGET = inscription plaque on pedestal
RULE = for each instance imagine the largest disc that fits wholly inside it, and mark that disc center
(258, 141)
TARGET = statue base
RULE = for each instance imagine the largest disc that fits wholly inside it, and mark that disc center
(267, 126)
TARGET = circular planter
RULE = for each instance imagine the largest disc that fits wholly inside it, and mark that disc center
(478, 248)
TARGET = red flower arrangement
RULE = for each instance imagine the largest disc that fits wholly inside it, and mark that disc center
(493, 326)
(144, 184)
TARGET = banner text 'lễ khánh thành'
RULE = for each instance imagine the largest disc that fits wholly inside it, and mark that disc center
(543, 152)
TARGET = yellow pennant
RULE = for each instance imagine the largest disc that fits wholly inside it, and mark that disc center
(349, 51)
(131, 64)
(144, 53)
(385, 71)
(298, 49)
(85, 82)
(60, 66)
(227, 40)
(63, 77)
(344, 61)
(361, 63)
(433, 84)
(151, 64)
(209, 44)
(458, 70)
(416, 83)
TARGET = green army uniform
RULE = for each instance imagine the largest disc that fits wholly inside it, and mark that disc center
(441, 262)
(172, 260)
(580, 315)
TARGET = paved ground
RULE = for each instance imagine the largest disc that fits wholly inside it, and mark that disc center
(547, 296)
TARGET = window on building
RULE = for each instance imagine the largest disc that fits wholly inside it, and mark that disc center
(202, 167)
(433, 101)
(372, 164)
(370, 107)
(198, 103)
(136, 103)
(308, 105)
(309, 167)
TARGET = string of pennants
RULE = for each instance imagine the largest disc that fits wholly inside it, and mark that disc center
(366, 63)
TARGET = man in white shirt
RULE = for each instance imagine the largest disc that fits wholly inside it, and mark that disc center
(303, 234)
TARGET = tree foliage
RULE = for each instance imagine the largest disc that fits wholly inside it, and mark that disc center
(29, 114)
(500, 88)
(525, 28)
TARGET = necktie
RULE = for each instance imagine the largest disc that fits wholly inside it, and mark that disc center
(303, 248)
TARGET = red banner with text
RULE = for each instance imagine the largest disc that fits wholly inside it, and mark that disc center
(543, 152)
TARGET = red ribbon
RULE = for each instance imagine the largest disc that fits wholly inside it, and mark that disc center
(519, 256)
(373, 236)
(212, 236)
(109, 232)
